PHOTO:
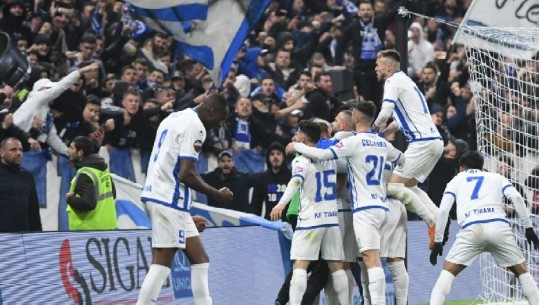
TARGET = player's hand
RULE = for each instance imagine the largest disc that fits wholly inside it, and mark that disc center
(290, 148)
(532, 238)
(277, 211)
(226, 195)
(201, 223)
(438, 250)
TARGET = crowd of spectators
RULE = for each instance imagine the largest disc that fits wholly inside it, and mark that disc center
(305, 59)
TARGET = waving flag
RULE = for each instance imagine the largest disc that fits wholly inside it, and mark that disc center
(209, 31)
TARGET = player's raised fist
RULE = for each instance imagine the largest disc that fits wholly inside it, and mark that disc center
(290, 148)
(226, 194)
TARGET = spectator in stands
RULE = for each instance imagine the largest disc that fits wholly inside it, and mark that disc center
(13, 20)
(270, 184)
(322, 104)
(152, 50)
(226, 175)
(435, 90)
(6, 97)
(244, 133)
(90, 200)
(9, 130)
(19, 209)
(124, 135)
(420, 50)
(365, 36)
(283, 70)
(505, 168)
(36, 111)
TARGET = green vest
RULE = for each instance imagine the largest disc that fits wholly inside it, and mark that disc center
(103, 217)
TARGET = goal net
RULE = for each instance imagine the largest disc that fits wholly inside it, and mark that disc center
(504, 78)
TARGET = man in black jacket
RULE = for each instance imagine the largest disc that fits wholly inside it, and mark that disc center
(271, 184)
(366, 38)
(226, 175)
(19, 209)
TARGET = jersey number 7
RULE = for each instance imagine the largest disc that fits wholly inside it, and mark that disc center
(478, 182)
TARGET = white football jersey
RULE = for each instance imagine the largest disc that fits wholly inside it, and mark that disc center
(410, 108)
(479, 196)
(366, 154)
(318, 192)
(180, 136)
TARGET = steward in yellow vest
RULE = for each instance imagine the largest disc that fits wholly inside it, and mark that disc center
(91, 204)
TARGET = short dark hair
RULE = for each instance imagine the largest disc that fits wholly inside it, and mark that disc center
(390, 53)
(318, 76)
(88, 38)
(472, 160)
(94, 100)
(305, 73)
(85, 144)
(368, 108)
(310, 129)
(3, 143)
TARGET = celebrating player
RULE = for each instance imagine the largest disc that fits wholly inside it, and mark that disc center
(403, 99)
(317, 230)
(366, 154)
(167, 195)
(484, 227)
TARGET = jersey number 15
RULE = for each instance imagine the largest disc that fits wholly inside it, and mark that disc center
(326, 187)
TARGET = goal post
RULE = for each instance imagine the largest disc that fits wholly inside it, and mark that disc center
(504, 79)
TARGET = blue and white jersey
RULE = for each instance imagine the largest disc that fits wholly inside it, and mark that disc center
(180, 136)
(479, 196)
(409, 107)
(366, 154)
(318, 193)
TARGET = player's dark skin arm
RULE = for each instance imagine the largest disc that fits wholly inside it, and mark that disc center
(190, 177)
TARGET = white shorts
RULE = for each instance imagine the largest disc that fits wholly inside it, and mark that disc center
(346, 224)
(309, 245)
(394, 230)
(493, 237)
(368, 228)
(421, 157)
(170, 227)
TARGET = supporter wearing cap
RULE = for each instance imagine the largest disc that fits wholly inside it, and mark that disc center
(226, 175)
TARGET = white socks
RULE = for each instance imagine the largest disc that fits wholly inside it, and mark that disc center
(340, 284)
(365, 283)
(412, 201)
(425, 199)
(152, 284)
(298, 285)
(442, 288)
(199, 284)
(400, 281)
(529, 288)
(377, 285)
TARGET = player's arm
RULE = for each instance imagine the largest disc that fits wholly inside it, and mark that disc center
(511, 193)
(391, 95)
(189, 176)
(342, 149)
(391, 128)
(394, 155)
(298, 176)
(448, 199)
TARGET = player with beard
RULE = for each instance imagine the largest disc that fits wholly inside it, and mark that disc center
(270, 184)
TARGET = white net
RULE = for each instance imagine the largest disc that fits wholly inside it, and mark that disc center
(504, 73)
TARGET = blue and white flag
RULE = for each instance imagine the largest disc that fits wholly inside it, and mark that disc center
(209, 31)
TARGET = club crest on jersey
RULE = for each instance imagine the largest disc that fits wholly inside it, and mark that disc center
(197, 146)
